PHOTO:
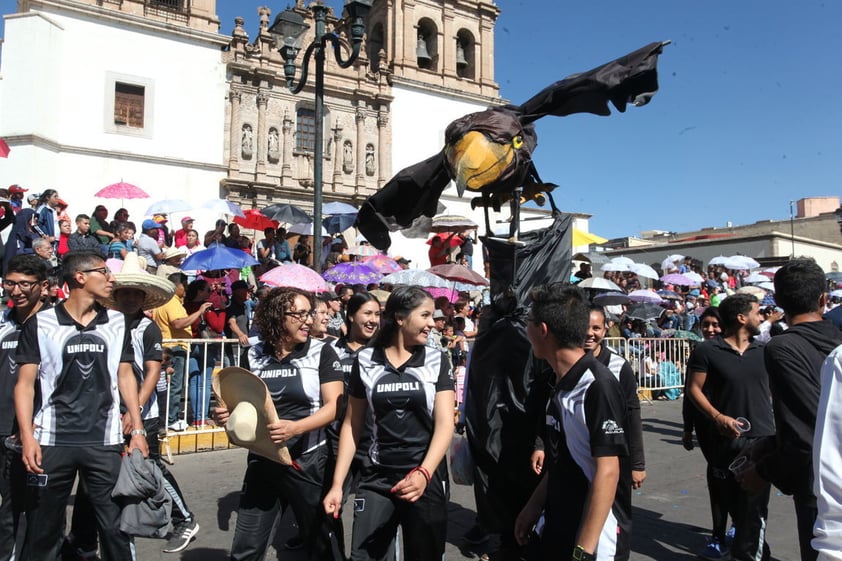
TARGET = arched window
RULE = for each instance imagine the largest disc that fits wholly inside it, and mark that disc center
(427, 50)
(465, 54)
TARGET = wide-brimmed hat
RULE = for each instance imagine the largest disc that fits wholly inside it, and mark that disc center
(250, 410)
(158, 290)
(171, 252)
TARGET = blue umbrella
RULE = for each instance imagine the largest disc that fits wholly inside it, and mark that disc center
(339, 222)
(218, 257)
(338, 208)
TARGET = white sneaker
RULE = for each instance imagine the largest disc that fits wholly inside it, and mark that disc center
(178, 426)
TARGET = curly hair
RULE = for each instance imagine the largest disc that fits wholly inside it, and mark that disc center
(269, 314)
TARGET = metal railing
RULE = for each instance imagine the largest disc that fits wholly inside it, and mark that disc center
(185, 397)
(660, 365)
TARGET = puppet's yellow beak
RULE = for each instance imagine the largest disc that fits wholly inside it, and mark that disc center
(476, 161)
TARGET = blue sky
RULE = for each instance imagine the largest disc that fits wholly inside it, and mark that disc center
(746, 118)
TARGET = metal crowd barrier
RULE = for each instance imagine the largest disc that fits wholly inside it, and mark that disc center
(197, 360)
(660, 365)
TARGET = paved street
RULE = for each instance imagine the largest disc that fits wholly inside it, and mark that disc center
(671, 512)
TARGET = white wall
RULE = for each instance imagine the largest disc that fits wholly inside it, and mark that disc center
(55, 70)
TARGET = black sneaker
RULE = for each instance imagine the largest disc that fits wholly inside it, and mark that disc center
(475, 536)
(294, 543)
(181, 536)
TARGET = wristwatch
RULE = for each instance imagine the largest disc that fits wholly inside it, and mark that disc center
(579, 554)
(141, 432)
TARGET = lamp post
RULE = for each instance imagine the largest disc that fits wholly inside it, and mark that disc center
(287, 29)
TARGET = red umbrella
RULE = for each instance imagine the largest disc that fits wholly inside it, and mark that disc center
(452, 239)
(458, 273)
(254, 220)
(4, 149)
(121, 190)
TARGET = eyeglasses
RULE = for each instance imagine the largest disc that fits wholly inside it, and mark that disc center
(302, 315)
(23, 285)
(101, 270)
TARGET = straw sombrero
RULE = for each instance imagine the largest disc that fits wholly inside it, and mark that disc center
(250, 409)
(158, 290)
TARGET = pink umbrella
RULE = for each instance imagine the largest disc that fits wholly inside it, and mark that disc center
(121, 190)
(382, 263)
(297, 276)
(4, 149)
(679, 279)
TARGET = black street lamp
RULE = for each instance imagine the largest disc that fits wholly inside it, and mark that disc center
(287, 30)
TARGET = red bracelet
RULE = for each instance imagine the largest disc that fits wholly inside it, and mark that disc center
(423, 471)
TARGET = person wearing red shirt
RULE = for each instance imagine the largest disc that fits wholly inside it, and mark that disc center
(181, 235)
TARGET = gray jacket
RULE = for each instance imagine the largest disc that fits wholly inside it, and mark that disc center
(146, 505)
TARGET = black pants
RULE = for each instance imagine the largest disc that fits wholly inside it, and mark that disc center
(718, 489)
(12, 493)
(270, 487)
(750, 509)
(806, 512)
(378, 513)
(96, 466)
(82, 524)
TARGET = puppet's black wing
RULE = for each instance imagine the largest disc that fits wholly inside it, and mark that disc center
(631, 78)
(412, 193)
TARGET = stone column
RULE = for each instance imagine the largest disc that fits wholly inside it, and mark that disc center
(286, 153)
(359, 164)
(447, 56)
(262, 134)
(234, 132)
(384, 141)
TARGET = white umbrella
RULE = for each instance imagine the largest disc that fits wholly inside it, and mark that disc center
(223, 206)
(599, 283)
(676, 257)
(718, 260)
(643, 270)
(694, 276)
(645, 296)
(168, 206)
(621, 259)
(615, 267)
(767, 286)
(756, 277)
(416, 277)
(668, 265)
(740, 262)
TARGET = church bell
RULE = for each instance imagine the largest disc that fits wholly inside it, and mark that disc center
(421, 52)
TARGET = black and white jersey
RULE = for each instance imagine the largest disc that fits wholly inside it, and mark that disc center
(77, 375)
(9, 334)
(585, 420)
(146, 343)
(624, 373)
(295, 384)
(347, 356)
(401, 400)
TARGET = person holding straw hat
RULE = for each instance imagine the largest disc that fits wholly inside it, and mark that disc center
(305, 381)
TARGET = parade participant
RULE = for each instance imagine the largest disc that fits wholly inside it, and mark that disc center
(585, 491)
(319, 330)
(409, 388)
(794, 360)
(727, 378)
(710, 326)
(25, 283)
(80, 356)
(305, 379)
(134, 292)
(622, 370)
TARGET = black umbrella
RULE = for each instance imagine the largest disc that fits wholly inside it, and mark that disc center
(286, 213)
(645, 311)
(337, 223)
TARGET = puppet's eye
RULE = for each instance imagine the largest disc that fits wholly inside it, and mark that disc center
(517, 142)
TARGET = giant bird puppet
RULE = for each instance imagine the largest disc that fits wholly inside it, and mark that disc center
(490, 152)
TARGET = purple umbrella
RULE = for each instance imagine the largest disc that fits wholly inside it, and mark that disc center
(645, 296)
(352, 273)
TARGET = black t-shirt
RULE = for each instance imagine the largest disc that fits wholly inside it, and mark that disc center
(401, 400)
(295, 385)
(737, 385)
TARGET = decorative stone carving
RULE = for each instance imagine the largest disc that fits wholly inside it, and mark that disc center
(348, 157)
(247, 142)
(274, 145)
(370, 166)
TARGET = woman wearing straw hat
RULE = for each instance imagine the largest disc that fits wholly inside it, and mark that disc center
(409, 387)
(304, 378)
